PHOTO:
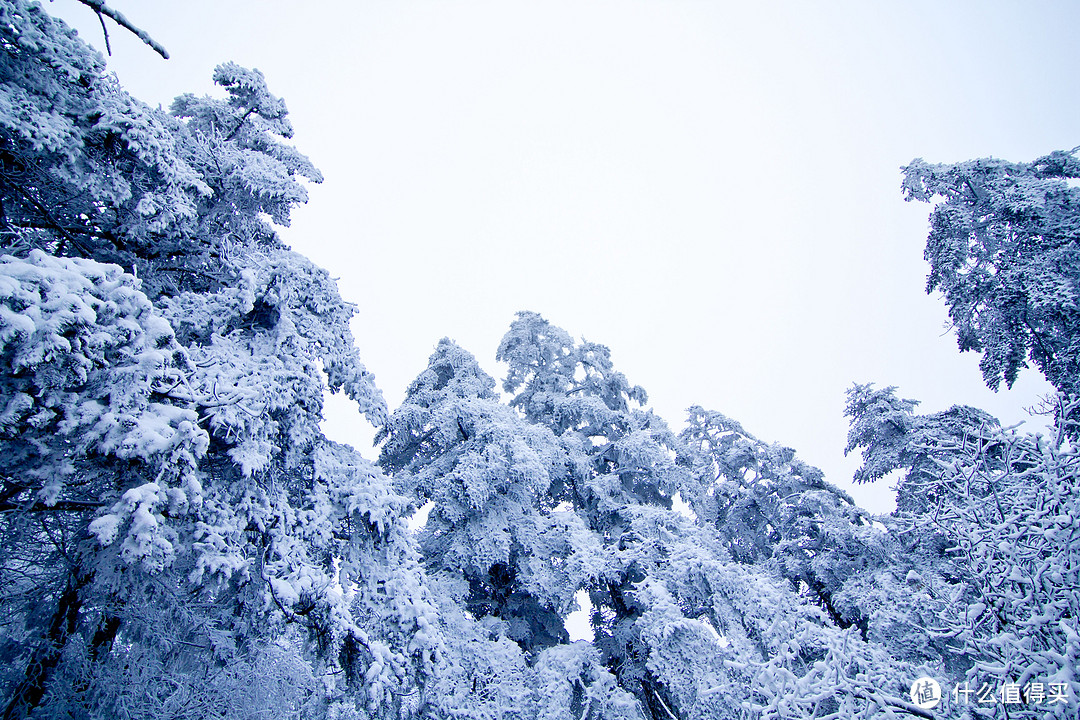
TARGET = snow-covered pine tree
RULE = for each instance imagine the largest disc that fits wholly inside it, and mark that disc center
(768, 505)
(498, 543)
(989, 513)
(986, 516)
(1002, 250)
(687, 630)
(494, 524)
(179, 539)
(893, 438)
(622, 474)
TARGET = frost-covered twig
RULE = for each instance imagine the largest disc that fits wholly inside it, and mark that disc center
(101, 8)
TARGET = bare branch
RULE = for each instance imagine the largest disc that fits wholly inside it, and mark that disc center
(59, 506)
(105, 32)
(101, 8)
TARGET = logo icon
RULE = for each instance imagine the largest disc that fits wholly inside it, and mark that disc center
(925, 693)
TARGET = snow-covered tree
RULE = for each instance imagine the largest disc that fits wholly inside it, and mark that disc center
(179, 539)
(1009, 508)
(767, 505)
(1002, 249)
(494, 521)
(990, 512)
(988, 517)
(619, 458)
(619, 453)
(893, 438)
(686, 629)
(506, 557)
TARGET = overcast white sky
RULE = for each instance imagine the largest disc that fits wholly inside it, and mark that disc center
(711, 189)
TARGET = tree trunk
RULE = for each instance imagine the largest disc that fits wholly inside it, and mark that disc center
(31, 690)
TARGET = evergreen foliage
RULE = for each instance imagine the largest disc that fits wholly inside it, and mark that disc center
(173, 520)
(1003, 250)
(178, 539)
(989, 519)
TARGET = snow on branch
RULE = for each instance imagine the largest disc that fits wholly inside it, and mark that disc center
(101, 8)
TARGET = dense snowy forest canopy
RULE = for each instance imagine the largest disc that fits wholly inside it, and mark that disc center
(178, 539)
